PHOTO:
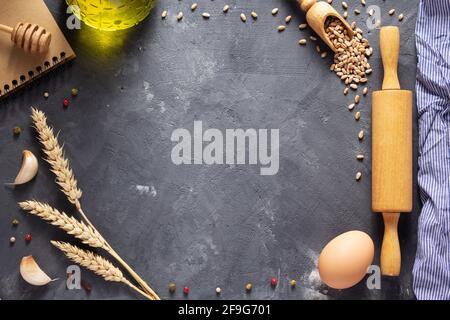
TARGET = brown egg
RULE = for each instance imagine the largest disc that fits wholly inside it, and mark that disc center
(345, 259)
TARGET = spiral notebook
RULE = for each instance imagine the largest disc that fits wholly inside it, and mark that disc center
(18, 68)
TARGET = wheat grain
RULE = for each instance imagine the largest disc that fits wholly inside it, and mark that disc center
(55, 157)
(72, 226)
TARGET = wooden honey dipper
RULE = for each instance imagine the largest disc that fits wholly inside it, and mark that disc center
(28, 36)
(317, 14)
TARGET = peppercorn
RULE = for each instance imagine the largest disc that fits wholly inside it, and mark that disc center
(28, 237)
(66, 102)
(293, 283)
(17, 130)
(248, 287)
(273, 282)
(46, 94)
(186, 290)
(15, 222)
(172, 287)
(12, 240)
(74, 92)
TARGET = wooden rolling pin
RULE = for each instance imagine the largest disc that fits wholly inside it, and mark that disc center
(317, 14)
(30, 37)
(391, 151)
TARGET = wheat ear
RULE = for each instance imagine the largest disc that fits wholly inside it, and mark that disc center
(66, 180)
(72, 226)
(97, 264)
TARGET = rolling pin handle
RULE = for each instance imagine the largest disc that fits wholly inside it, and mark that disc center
(306, 4)
(6, 29)
(390, 49)
(390, 249)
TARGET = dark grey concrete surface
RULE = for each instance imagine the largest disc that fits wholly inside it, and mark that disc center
(203, 226)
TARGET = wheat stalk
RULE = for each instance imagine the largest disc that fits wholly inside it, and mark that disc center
(72, 226)
(66, 180)
(97, 264)
(55, 157)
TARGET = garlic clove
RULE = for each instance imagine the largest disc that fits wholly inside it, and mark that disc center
(28, 170)
(32, 273)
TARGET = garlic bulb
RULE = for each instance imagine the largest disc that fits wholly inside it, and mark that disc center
(32, 273)
(28, 170)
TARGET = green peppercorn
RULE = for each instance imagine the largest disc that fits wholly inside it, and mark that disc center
(17, 130)
(74, 92)
(172, 287)
(15, 222)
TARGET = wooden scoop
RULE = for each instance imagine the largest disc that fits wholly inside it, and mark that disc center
(391, 151)
(30, 37)
(317, 14)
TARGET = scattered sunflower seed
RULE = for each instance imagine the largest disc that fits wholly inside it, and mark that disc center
(357, 11)
(194, 6)
(391, 12)
(363, 2)
(323, 55)
(351, 107)
(288, 19)
(312, 38)
(302, 41)
(243, 17)
(281, 28)
(318, 48)
(345, 15)
(360, 157)
(226, 8)
(206, 15)
(361, 135)
(357, 116)
(254, 15)
(180, 16)
(302, 26)
(354, 86)
(274, 11)
(400, 17)
(346, 90)
(164, 14)
(330, 1)
(344, 5)
(358, 176)
(365, 91)
(357, 98)
(371, 12)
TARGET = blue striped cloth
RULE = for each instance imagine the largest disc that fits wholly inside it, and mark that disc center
(432, 266)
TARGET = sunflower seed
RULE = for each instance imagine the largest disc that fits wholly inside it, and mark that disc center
(354, 86)
(312, 38)
(243, 17)
(345, 15)
(357, 11)
(302, 41)
(371, 12)
(288, 19)
(344, 5)
(358, 176)
(351, 107)
(365, 91)
(361, 135)
(254, 15)
(346, 90)
(302, 26)
(164, 14)
(357, 98)
(391, 12)
(179, 16)
(226, 8)
(281, 28)
(363, 2)
(357, 116)
(360, 157)
(318, 48)
(400, 17)
(194, 6)
(206, 15)
(330, 1)
(274, 11)
(323, 55)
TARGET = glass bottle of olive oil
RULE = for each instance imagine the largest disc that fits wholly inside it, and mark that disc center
(111, 15)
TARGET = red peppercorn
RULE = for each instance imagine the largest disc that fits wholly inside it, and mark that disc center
(273, 282)
(66, 102)
(28, 237)
(186, 290)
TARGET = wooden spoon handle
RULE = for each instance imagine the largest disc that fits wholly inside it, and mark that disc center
(390, 48)
(306, 4)
(390, 249)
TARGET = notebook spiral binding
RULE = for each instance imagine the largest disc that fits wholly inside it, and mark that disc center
(32, 75)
